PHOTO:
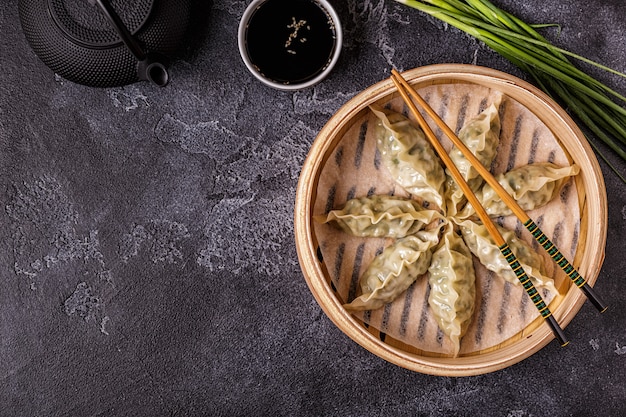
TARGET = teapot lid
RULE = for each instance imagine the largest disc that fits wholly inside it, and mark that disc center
(83, 23)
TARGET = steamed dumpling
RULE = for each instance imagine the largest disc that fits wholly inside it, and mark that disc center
(532, 186)
(380, 216)
(480, 243)
(481, 135)
(394, 270)
(409, 157)
(452, 286)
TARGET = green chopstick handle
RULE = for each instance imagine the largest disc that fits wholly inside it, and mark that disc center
(567, 267)
(533, 293)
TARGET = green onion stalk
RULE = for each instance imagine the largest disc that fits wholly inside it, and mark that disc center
(596, 105)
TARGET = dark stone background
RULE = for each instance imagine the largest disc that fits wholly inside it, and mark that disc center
(147, 258)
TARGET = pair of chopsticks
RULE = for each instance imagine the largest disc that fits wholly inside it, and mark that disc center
(407, 92)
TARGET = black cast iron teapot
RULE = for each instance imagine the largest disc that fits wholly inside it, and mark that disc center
(106, 43)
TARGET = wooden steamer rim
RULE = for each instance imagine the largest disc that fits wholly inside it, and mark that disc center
(592, 200)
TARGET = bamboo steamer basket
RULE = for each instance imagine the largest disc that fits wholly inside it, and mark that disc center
(505, 328)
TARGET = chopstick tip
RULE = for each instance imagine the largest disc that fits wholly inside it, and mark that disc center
(558, 332)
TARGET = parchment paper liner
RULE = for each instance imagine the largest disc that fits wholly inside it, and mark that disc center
(354, 169)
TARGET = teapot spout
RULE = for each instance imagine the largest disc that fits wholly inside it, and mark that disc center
(150, 66)
(153, 69)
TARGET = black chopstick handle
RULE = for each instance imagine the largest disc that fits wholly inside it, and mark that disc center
(533, 293)
(593, 297)
(558, 332)
(565, 265)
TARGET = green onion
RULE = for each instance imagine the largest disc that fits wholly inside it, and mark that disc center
(593, 103)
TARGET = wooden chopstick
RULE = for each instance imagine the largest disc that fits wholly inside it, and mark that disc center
(484, 217)
(532, 227)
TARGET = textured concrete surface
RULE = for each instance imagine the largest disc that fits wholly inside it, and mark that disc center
(147, 258)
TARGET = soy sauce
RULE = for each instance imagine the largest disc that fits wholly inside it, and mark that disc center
(290, 41)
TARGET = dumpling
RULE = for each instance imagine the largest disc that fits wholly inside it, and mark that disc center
(532, 186)
(381, 216)
(409, 157)
(481, 135)
(452, 286)
(488, 253)
(394, 270)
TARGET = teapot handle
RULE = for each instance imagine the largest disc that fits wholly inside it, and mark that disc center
(150, 66)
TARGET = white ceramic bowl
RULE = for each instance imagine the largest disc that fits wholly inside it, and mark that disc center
(254, 69)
